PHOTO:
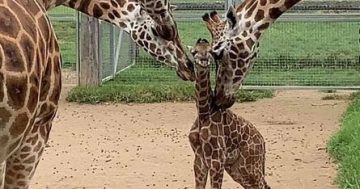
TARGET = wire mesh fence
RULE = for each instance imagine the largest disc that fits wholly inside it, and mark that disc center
(64, 21)
(115, 46)
(313, 46)
(301, 50)
(117, 51)
(310, 50)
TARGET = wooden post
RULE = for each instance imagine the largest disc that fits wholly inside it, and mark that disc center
(90, 65)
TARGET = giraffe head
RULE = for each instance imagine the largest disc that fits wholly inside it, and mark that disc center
(201, 53)
(221, 31)
(161, 13)
(165, 27)
(170, 52)
(215, 26)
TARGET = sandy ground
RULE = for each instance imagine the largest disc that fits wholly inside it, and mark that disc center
(146, 146)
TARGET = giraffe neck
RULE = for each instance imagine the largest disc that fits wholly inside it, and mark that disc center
(203, 92)
(119, 13)
(257, 16)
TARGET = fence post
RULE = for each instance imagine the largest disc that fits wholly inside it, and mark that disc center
(89, 69)
(234, 3)
(113, 48)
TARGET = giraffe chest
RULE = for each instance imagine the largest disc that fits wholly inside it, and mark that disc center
(223, 132)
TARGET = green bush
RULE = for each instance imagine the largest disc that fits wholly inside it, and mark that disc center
(344, 146)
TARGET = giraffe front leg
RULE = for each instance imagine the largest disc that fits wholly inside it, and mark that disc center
(21, 165)
(201, 172)
(200, 169)
(216, 162)
(216, 173)
(2, 174)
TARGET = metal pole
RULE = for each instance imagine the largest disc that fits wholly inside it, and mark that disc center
(78, 50)
(118, 48)
(100, 53)
(112, 45)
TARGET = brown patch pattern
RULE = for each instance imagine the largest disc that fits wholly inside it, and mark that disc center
(9, 25)
(17, 91)
(19, 125)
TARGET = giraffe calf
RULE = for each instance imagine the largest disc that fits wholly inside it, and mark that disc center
(221, 140)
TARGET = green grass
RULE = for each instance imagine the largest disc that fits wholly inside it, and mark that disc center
(344, 147)
(151, 84)
(295, 39)
(119, 92)
(335, 97)
(304, 77)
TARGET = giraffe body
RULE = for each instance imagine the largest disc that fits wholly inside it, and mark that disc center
(30, 85)
(221, 140)
(30, 75)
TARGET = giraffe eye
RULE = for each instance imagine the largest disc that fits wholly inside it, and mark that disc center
(194, 52)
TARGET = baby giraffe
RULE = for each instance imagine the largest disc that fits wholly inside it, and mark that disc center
(220, 139)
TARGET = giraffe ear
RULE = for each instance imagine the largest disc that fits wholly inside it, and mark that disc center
(206, 17)
(232, 18)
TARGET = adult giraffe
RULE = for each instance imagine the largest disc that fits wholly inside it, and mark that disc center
(30, 76)
(236, 42)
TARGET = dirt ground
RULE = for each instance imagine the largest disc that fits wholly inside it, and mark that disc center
(146, 146)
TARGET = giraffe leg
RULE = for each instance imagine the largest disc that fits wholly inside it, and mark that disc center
(200, 169)
(239, 174)
(249, 172)
(216, 174)
(2, 174)
(201, 172)
(21, 165)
